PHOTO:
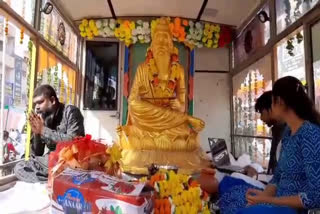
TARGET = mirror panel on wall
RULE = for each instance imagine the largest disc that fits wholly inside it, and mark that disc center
(49, 28)
(60, 76)
(289, 11)
(291, 57)
(254, 37)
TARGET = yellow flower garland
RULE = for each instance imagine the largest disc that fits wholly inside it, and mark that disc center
(88, 29)
(124, 31)
(211, 35)
(172, 186)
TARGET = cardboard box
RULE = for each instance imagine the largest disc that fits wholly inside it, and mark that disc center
(83, 192)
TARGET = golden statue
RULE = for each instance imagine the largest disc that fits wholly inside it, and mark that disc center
(158, 130)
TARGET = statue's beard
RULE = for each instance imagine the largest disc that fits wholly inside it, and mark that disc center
(162, 60)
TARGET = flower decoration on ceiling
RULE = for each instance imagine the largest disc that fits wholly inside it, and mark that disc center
(225, 36)
(192, 34)
(178, 29)
(88, 29)
(142, 32)
(211, 35)
(106, 27)
(124, 31)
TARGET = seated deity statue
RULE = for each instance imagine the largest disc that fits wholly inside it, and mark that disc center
(159, 130)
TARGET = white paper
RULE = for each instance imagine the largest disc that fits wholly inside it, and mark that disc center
(24, 197)
(117, 186)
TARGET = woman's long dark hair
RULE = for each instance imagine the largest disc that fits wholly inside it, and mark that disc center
(294, 95)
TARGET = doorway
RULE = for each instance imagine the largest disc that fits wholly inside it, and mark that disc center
(101, 95)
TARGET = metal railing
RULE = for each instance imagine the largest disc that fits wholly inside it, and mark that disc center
(7, 168)
(7, 176)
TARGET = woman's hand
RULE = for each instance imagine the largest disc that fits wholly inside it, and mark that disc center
(207, 181)
(208, 171)
(255, 196)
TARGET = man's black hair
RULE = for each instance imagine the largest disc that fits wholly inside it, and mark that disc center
(5, 134)
(264, 102)
(46, 91)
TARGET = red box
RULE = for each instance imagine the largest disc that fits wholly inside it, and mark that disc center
(83, 192)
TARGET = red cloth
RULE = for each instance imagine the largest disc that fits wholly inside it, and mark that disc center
(11, 148)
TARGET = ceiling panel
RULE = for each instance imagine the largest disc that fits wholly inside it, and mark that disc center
(231, 12)
(182, 8)
(79, 9)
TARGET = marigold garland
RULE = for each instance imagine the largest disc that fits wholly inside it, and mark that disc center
(6, 29)
(124, 31)
(178, 30)
(174, 74)
(21, 35)
(178, 193)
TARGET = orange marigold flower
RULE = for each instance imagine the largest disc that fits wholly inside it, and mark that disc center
(177, 21)
(185, 22)
(126, 23)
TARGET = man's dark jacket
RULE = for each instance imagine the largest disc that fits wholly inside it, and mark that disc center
(63, 125)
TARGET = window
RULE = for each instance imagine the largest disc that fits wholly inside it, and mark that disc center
(255, 36)
(25, 8)
(59, 76)
(289, 11)
(101, 78)
(257, 148)
(315, 32)
(16, 74)
(248, 85)
(49, 29)
(290, 57)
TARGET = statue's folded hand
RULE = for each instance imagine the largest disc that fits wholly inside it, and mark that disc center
(142, 90)
(196, 123)
(175, 104)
